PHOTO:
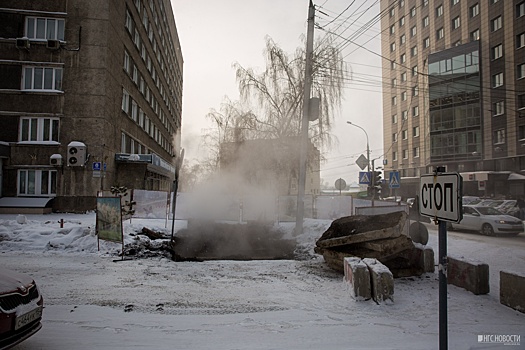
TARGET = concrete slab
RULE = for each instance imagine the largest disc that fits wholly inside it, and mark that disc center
(382, 281)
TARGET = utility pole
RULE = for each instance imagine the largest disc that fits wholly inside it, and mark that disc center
(303, 138)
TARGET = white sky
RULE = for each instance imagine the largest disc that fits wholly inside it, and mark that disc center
(216, 34)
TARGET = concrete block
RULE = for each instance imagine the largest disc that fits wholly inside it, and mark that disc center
(512, 290)
(357, 278)
(428, 259)
(381, 279)
(471, 275)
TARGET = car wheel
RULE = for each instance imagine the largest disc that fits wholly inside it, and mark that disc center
(487, 230)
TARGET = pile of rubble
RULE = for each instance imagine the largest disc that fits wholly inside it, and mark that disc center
(381, 237)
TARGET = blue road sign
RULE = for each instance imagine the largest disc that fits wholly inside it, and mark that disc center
(364, 178)
(394, 180)
(97, 166)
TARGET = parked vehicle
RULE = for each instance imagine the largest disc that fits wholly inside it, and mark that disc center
(21, 307)
(507, 206)
(469, 199)
(488, 221)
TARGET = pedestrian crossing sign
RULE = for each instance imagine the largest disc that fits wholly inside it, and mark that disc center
(364, 178)
(394, 180)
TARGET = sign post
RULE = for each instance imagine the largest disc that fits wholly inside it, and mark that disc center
(440, 198)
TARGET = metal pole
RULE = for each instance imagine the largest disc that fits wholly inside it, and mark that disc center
(304, 125)
(442, 263)
(367, 157)
(178, 165)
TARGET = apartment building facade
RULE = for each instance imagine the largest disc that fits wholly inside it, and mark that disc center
(454, 93)
(90, 98)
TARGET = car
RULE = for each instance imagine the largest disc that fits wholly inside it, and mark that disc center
(21, 306)
(507, 206)
(488, 221)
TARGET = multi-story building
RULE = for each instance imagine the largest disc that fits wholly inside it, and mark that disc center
(454, 92)
(90, 98)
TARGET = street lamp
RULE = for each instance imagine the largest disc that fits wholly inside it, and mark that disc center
(367, 144)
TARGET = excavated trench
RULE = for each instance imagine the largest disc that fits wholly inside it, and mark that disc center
(208, 240)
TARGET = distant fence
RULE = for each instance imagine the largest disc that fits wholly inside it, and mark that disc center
(157, 205)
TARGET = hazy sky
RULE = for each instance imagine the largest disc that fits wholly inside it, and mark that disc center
(216, 34)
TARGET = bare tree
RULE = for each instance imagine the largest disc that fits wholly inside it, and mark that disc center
(278, 91)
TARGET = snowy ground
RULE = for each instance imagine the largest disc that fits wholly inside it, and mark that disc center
(93, 302)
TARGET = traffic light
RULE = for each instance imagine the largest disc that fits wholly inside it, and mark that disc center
(376, 183)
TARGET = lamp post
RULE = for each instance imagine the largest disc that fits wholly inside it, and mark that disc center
(367, 144)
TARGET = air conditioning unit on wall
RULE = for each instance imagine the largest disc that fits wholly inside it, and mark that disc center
(55, 160)
(76, 153)
(53, 44)
(22, 43)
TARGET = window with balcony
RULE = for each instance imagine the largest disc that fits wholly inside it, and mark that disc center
(42, 78)
(39, 129)
(45, 28)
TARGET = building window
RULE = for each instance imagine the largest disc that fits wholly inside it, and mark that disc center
(440, 33)
(394, 119)
(521, 101)
(126, 61)
(520, 40)
(402, 39)
(416, 152)
(456, 22)
(413, 51)
(499, 136)
(129, 22)
(392, 12)
(498, 108)
(37, 182)
(521, 71)
(394, 100)
(497, 52)
(404, 96)
(402, 21)
(520, 9)
(45, 28)
(426, 42)
(414, 71)
(394, 137)
(521, 132)
(415, 111)
(415, 131)
(497, 80)
(404, 115)
(403, 58)
(42, 78)
(474, 10)
(394, 82)
(394, 156)
(413, 11)
(392, 47)
(392, 29)
(134, 111)
(454, 2)
(393, 64)
(426, 22)
(474, 35)
(405, 154)
(413, 31)
(495, 24)
(439, 11)
(125, 101)
(38, 129)
(425, 3)
(403, 76)
(401, 3)
(404, 134)
(415, 91)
